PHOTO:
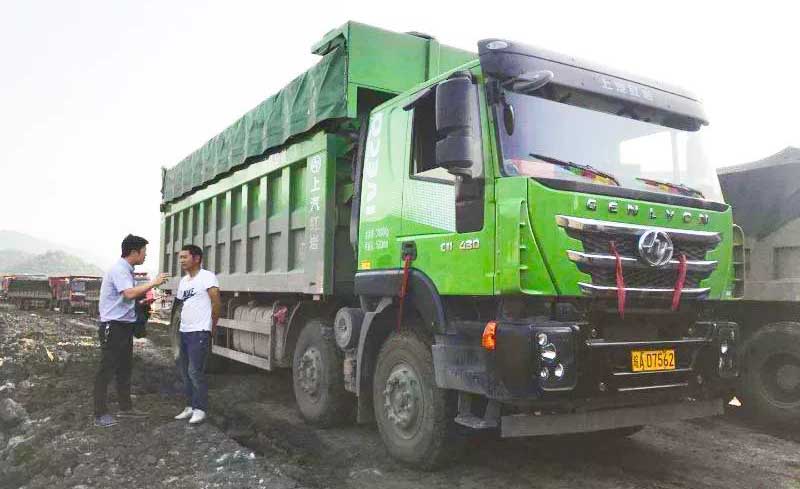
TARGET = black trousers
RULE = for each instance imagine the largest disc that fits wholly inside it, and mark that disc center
(116, 343)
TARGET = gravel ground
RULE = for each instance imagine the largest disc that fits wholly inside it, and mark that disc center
(255, 437)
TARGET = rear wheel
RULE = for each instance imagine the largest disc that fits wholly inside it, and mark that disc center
(414, 416)
(318, 377)
(214, 363)
(770, 385)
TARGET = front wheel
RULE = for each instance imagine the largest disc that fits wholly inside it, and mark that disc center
(414, 416)
(770, 385)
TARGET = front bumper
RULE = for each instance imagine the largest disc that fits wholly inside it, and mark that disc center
(557, 424)
(594, 371)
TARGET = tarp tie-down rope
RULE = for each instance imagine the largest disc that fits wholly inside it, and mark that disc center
(679, 283)
(403, 289)
(620, 281)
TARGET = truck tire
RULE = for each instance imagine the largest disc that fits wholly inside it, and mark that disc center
(174, 331)
(214, 363)
(414, 416)
(770, 384)
(318, 377)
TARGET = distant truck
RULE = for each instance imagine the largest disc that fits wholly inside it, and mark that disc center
(29, 291)
(765, 197)
(75, 293)
(437, 240)
(4, 281)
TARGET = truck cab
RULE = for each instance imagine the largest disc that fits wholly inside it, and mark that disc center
(560, 230)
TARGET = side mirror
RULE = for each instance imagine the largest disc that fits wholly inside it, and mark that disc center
(458, 148)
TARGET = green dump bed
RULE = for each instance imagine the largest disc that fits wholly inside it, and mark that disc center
(268, 198)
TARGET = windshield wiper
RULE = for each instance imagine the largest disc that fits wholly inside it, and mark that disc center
(569, 164)
(681, 188)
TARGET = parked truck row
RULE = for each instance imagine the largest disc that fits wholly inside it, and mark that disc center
(67, 294)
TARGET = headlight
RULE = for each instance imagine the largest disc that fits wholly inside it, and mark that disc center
(544, 373)
(549, 353)
(555, 360)
(726, 334)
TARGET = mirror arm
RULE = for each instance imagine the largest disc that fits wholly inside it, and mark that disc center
(419, 98)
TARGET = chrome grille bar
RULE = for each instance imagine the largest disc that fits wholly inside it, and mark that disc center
(617, 228)
(646, 293)
(609, 261)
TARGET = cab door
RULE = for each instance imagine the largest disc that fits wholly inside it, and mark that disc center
(459, 263)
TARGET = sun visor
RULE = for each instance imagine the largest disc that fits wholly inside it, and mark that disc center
(504, 59)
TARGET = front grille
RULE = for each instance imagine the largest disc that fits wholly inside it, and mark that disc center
(598, 261)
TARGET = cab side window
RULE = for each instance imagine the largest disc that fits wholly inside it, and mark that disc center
(423, 153)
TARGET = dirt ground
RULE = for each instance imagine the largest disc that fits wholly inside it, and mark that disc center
(255, 437)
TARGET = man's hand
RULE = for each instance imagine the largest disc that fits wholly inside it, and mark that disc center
(160, 279)
(140, 290)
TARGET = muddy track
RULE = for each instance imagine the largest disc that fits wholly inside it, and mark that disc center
(254, 411)
(257, 409)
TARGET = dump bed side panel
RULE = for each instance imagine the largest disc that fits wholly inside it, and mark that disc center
(269, 227)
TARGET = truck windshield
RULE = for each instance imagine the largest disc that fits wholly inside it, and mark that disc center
(602, 148)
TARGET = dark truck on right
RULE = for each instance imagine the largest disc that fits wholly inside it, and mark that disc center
(765, 198)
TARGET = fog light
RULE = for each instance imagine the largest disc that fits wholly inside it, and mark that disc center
(541, 339)
(549, 352)
(723, 348)
(558, 371)
(544, 373)
(489, 337)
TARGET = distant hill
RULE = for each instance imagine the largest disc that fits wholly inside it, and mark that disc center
(54, 263)
(13, 240)
(10, 258)
(30, 246)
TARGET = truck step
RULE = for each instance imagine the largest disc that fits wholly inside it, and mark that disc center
(476, 422)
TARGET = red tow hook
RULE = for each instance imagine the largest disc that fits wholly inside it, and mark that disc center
(620, 281)
(679, 283)
(403, 289)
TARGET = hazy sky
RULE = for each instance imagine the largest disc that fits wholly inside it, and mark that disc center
(96, 96)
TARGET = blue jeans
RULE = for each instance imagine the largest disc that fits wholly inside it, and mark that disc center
(192, 366)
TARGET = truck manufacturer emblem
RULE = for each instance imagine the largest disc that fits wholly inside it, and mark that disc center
(655, 248)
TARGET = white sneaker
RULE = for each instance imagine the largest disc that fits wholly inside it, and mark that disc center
(198, 416)
(185, 414)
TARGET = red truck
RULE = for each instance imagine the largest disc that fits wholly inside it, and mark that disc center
(75, 293)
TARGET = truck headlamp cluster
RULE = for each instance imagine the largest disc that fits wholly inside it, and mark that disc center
(555, 356)
(725, 341)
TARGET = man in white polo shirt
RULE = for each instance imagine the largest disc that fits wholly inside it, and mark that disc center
(198, 291)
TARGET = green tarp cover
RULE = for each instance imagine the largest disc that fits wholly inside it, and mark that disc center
(317, 95)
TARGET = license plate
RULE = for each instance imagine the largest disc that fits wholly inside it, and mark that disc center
(652, 360)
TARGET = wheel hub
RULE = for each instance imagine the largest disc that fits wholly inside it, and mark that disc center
(310, 371)
(402, 399)
(788, 377)
(780, 377)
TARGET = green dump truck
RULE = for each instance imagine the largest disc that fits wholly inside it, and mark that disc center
(441, 241)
